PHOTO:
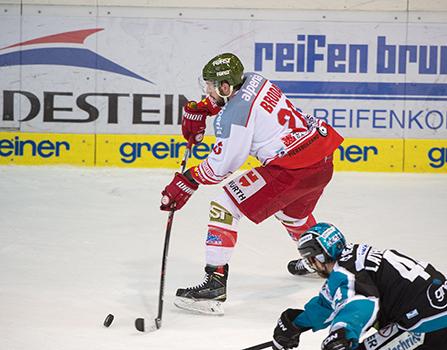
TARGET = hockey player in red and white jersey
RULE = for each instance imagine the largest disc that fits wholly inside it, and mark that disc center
(295, 149)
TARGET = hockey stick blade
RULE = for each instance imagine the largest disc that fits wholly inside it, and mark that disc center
(140, 325)
(265, 345)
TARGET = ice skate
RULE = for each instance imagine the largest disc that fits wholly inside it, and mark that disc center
(300, 267)
(208, 296)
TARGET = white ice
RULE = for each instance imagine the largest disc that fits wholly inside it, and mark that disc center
(79, 243)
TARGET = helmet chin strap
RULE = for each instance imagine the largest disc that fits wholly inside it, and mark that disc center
(225, 97)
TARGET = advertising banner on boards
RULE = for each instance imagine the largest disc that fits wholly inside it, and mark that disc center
(130, 75)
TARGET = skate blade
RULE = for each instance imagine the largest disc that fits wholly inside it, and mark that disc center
(204, 307)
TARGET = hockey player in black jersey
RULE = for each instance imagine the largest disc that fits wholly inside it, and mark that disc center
(366, 287)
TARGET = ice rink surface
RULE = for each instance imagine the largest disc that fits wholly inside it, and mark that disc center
(79, 243)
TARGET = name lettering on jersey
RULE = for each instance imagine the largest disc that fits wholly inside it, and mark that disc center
(249, 90)
(436, 294)
(375, 258)
(271, 98)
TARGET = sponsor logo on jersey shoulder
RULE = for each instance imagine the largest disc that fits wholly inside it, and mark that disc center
(249, 88)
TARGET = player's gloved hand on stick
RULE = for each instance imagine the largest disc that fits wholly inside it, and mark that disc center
(177, 193)
(286, 334)
(194, 118)
(336, 340)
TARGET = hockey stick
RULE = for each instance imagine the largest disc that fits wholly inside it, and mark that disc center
(139, 322)
(265, 345)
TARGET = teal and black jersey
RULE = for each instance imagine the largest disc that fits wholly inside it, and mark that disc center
(370, 286)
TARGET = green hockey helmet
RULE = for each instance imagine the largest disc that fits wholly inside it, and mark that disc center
(224, 67)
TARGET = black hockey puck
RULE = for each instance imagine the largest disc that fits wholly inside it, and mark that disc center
(108, 321)
(139, 324)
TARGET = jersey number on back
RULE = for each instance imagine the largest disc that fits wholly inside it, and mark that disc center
(290, 116)
(407, 268)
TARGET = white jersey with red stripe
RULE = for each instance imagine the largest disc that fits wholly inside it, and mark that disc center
(259, 120)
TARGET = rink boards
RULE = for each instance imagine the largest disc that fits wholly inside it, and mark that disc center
(166, 151)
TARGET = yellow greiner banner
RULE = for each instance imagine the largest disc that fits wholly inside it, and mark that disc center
(153, 151)
(370, 155)
(166, 151)
(46, 149)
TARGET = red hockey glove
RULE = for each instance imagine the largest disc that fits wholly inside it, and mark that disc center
(194, 118)
(176, 194)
